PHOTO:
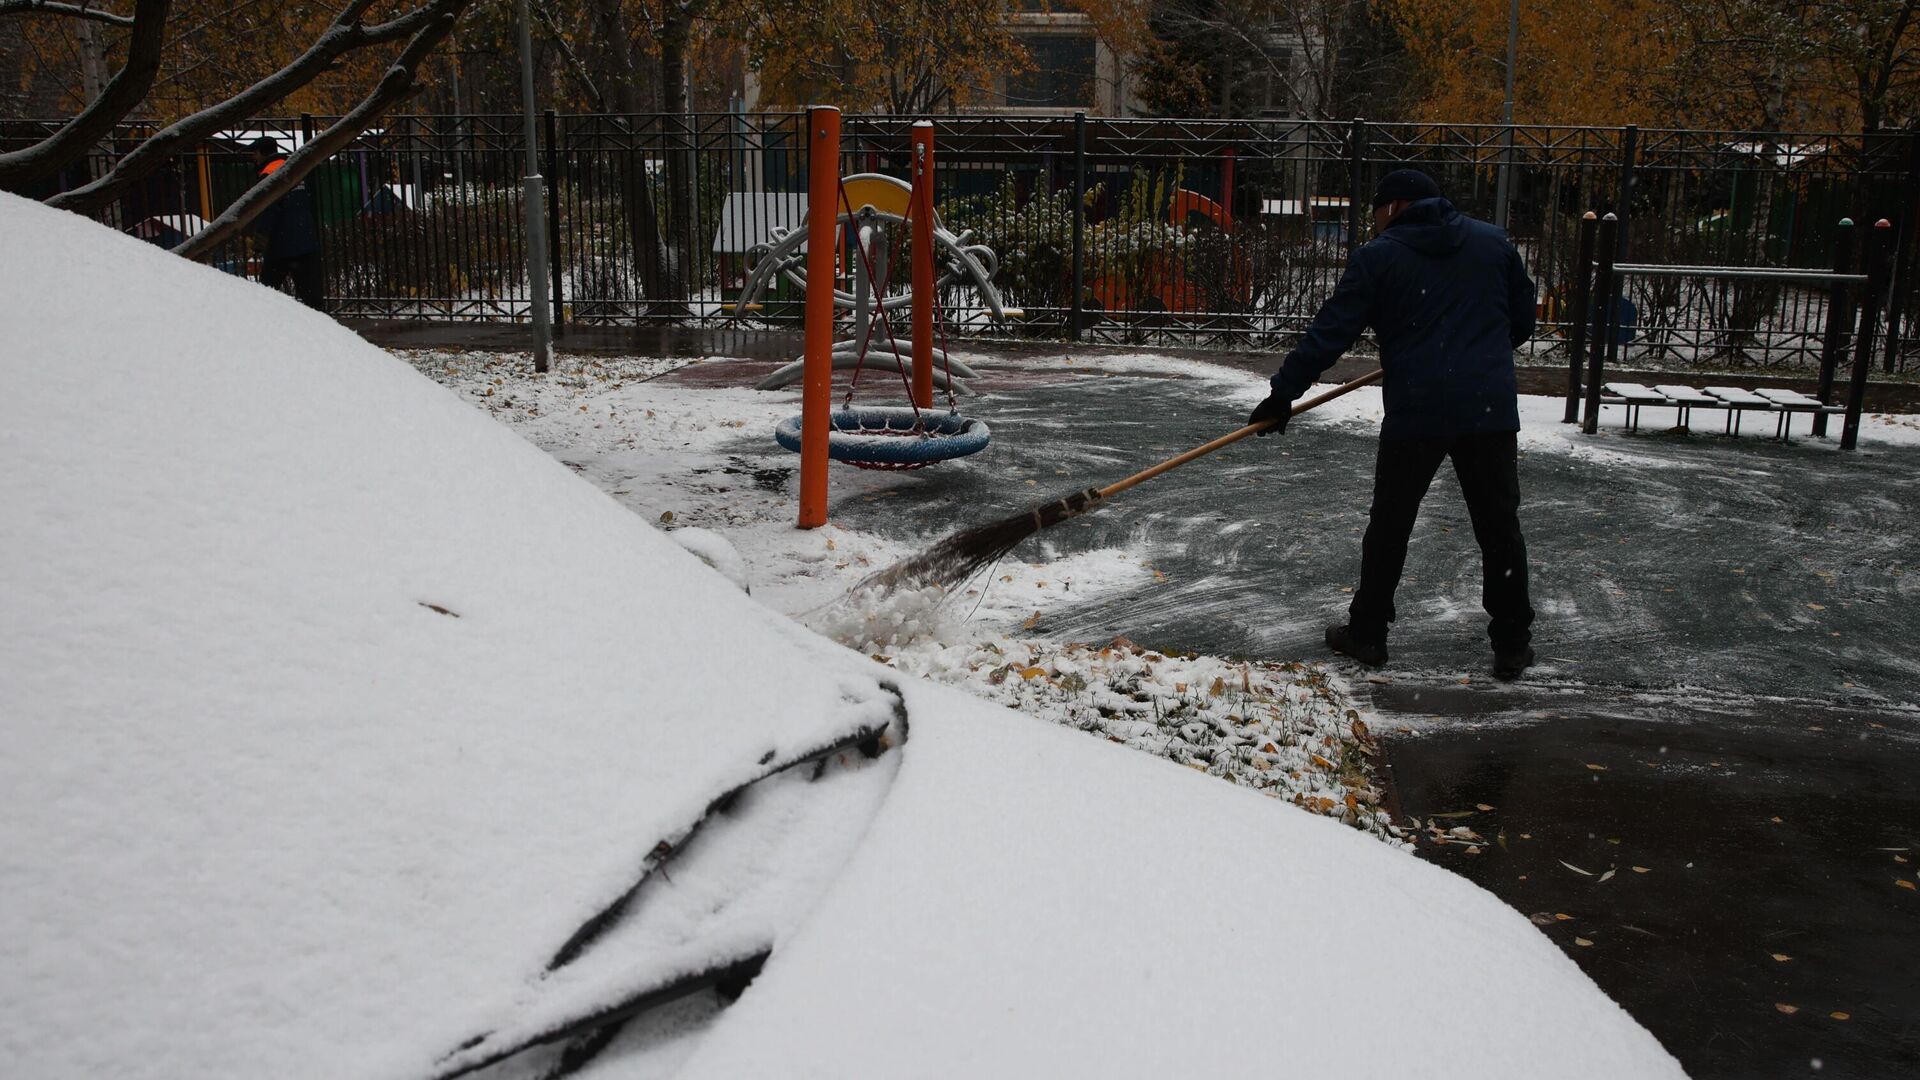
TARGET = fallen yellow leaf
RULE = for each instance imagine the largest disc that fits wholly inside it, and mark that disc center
(1596, 768)
(1481, 806)
(1581, 941)
(1904, 883)
(1032, 621)
(1817, 607)
(1841, 1015)
(1643, 869)
(1782, 957)
(1563, 917)
(1032, 672)
(1325, 764)
(1785, 1008)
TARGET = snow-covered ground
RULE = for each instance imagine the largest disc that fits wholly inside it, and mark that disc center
(350, 735)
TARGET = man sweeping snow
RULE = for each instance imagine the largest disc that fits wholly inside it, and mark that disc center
(1448, 300)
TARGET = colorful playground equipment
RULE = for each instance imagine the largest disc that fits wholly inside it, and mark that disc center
(860, 223)
(1161, 281)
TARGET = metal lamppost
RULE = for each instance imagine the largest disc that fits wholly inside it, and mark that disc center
(534, 194)
(1503, 187)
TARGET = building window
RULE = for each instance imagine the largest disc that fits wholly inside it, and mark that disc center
(1276, 83)
(1061, 76)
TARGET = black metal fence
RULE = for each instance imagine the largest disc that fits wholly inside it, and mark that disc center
(1157, 232)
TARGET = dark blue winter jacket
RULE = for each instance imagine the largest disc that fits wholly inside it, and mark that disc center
(1449, 300)
(288, 226)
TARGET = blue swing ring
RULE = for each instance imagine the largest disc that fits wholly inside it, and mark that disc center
(892, 438)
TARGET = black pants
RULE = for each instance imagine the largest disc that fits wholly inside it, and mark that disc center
(308, 282)
(1401, 474)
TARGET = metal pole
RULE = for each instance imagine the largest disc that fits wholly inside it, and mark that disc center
(816, 385)
(535, 199)
(1356, 180)
(1877, 244)
(1577, 311)
(555, 257)
(922, 210)
(1078, 310)
(1839, 321)
(1604, 287)
(1504, 186)
(1902, 283)
(1629, 157)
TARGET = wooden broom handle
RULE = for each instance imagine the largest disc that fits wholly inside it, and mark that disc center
(1251, 429)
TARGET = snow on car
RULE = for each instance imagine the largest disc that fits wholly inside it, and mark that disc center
(349, 735)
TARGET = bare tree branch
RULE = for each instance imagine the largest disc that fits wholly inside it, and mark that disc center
(343, 35)
(393, 87)
(78, 11)
(574, 65)
(24, 168)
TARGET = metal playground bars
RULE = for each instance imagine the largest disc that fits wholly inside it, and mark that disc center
(1853, 310)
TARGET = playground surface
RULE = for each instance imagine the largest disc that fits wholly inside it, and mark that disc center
(1706, 792)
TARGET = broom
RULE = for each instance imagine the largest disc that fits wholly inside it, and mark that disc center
(960, 556)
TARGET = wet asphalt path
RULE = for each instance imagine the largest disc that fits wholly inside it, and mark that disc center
(1729, 694)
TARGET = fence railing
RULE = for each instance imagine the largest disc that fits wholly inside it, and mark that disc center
(1180, 232)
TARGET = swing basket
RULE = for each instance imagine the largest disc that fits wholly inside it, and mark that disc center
(892, 438)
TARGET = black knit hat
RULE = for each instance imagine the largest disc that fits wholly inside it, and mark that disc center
(265, 144)
(1410, 185)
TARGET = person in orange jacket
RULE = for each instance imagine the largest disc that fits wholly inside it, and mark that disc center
(290, 235)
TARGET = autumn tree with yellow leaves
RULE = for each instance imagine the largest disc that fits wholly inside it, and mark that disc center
(1762, 65)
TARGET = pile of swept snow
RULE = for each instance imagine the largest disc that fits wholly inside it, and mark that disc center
(1286, 730)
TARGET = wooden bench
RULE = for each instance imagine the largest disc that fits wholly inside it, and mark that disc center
(1734, 400)
(1789, 402)
(1633, 397)
(1738, 401)
(1687, 399)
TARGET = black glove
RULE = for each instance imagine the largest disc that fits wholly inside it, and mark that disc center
(1275, 408)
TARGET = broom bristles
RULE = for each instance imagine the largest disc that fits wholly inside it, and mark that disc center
(965, 553)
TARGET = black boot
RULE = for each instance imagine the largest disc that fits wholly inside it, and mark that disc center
(1509, 663)
(1341, 640)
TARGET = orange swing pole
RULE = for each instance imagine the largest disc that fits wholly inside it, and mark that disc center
(816, 386)
(923, 264)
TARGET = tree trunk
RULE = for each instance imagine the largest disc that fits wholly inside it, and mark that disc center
(676, 35)
(643, 219)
